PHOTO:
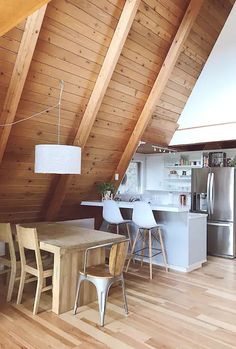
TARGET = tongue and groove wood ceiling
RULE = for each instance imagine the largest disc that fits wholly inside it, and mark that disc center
(71, 45)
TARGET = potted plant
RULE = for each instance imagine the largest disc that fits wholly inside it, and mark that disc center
(106, 189)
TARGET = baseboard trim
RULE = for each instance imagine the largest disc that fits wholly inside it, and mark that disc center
(187, 269)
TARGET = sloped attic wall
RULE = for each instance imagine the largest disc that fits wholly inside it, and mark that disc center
(72, 44)
(191, 61)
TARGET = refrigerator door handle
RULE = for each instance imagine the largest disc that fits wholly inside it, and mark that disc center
(212, 193)
(208, 192)
(220, 224)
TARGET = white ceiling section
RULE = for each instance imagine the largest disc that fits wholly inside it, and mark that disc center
(213, 99)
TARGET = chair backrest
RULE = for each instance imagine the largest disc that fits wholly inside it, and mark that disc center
(117, 257)
(5, 232)
(6, 236)
(111, 212)
(142, 215)
(28, 239)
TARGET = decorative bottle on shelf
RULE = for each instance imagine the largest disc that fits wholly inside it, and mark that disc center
(205, 160)
(183, 199)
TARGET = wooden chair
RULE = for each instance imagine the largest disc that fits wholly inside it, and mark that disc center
(6, 237)
(103, 276)
(28, 239)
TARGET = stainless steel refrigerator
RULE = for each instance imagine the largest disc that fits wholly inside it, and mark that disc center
(213, 192)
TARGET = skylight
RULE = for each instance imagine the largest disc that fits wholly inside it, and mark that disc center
(210, 113)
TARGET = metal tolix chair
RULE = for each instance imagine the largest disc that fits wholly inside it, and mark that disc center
(103, 276)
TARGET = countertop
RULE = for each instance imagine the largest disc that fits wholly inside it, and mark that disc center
(155, 207)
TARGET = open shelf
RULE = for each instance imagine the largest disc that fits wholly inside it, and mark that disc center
(174, 191)
(183, 166)
(178, 178)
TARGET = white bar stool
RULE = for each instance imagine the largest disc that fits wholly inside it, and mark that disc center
(111, 214)
(147, 228)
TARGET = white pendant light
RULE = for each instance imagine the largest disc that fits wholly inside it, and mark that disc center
(57, 158)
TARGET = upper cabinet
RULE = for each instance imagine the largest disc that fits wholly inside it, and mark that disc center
(171, 172)
(154, 172)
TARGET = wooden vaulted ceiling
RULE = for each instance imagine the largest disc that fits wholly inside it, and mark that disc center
(126, 78)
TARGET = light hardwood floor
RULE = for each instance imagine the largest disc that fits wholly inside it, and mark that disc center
(174, 310)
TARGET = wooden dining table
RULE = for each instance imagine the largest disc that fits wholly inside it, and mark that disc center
(68, 244)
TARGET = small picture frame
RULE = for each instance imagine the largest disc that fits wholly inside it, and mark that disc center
(217, 159)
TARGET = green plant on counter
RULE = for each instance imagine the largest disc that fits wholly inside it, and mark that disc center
(106, 189)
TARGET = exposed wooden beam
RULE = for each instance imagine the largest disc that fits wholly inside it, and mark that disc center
(159, 85)
(104, 77)
(15, 11)
(96, 98)
(19, 74)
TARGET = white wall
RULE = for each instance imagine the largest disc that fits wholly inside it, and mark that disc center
(213, 98)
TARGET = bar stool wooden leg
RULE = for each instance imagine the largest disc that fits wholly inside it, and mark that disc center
(133, 247)
(130, 239)
(162, 248)
(150, 252)
(129, 235)
(143, 245)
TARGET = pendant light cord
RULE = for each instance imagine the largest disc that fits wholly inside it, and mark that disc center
(58, 105)
(59, 112)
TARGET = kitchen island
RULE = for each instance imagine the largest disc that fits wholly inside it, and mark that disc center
(184, 233)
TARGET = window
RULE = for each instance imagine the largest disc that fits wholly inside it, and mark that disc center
(131, 182)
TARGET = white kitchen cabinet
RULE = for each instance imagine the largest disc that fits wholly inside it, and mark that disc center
(160, 166)
(154, 172)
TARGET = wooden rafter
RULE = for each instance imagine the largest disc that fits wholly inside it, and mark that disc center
(20, 71)
(104, 77)
(95, 101)
(15, 11)
(159, 85)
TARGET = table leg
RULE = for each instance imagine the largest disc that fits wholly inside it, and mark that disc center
(56, 279)
(65, 276)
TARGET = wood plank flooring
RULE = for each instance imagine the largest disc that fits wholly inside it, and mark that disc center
(175, 310)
